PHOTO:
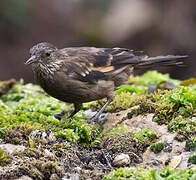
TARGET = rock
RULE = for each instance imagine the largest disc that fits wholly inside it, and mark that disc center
(55, 177)
(174, 163)
(75, 175)
(89, 114)
(121, 160)
(11, 148)
(24, 178)
(47, 137)
(48, 153)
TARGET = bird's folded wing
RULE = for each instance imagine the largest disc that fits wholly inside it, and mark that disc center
(90, 65)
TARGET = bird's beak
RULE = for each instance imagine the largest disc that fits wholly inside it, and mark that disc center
(31, 60)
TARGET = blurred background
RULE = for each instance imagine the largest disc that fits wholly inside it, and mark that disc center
(156, 27)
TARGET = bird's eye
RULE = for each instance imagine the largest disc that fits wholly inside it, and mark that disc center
(47, 54)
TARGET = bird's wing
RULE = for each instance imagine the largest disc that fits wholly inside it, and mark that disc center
(90, 64)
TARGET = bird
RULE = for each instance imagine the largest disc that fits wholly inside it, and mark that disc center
(83, 74)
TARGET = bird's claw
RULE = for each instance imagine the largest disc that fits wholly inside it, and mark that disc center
(59, 116)
(99, 119)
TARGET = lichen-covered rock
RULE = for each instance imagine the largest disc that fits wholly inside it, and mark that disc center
(11, 148)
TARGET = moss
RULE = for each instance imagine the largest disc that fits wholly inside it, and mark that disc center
(185, 128)
(131, 89)
(188, 82)
(31, 143)
(158, 147)
(50, 167)
(121, 102)
(128, 173)
(144, 136)
(5, 158)
(192, 159)
(184, 96)
(191, 144)
(118, 130)
(41, 169)
(84, 132)
(155, 78)
(181, 174)
(5, 86)
(130, 142)
(68, 134)
(149, 174)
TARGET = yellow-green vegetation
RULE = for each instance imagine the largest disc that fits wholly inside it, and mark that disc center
(185, 128)
(191, 144)
(5, 158)
(28, 106)
(129, 142)
(6, 85)
(192, 159)
(118, 130)
(155, 78)
(144, 136)
(138, 173)
(157, 147)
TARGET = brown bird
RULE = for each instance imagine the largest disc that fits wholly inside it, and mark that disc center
(83, 74)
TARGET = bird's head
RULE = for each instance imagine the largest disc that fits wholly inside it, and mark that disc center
(43, 53)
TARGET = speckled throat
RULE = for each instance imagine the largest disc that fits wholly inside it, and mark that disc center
(46, 71)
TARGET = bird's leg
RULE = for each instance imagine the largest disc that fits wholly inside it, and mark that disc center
(97, 115)
(77, 108)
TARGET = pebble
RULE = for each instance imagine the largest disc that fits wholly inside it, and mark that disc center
(11, 148)
(121, 160)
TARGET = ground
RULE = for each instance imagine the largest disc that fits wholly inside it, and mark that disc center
(150, 133)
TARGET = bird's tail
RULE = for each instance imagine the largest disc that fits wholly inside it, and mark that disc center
(161, 61)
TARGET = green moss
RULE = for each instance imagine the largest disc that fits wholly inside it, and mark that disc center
(128, 173)
(5, 86)
(131, 89)
(158, 147)
(185, 128)
(122, 101)
(155, 78)
(5, 158)
(84, 131)
(138, 173)
(118, 130)
(191, 144)
(68, 134)
(144, 136)
(178, 174)
(129, 142)
(188, 82)
(184, 96)
(192, 159)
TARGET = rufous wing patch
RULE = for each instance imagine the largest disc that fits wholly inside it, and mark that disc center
(103, 69)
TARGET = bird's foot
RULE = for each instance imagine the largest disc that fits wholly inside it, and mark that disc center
(59, 116)
(101, 119)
